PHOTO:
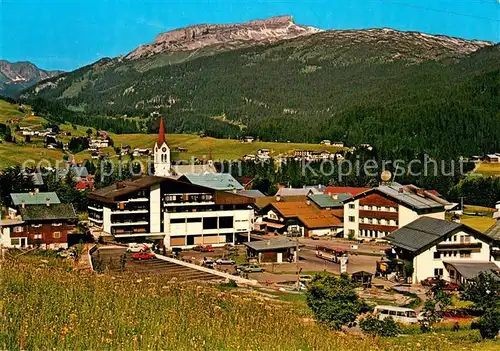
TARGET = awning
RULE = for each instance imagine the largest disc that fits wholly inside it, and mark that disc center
(470, 270)
(274, 225)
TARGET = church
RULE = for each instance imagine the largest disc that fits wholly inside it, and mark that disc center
(171, 212)
(162, 162)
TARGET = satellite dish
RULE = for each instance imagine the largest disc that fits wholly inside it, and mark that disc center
(386, 176)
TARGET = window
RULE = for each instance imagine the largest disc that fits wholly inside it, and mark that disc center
(18, 229)
(438, 272)
(454, 238)
(194, 220)
(14, 241)
(37, 236)
(226, 222)
(56, 235)
(177, 220)
(454, 253)
(351, 232)
(452, 273)
(352, 206)
(465, 239)
(465, 254)
(437, 254)
(210, 223)
(351, 218)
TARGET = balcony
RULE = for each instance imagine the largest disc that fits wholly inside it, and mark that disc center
(379, 214)
(124, 224)
(95, 208)
(458, 245)
(95, 220)
(130, 211)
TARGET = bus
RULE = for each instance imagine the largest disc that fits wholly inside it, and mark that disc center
(331, 253)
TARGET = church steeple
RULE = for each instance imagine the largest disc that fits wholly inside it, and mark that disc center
(162, 153)
(161, 134)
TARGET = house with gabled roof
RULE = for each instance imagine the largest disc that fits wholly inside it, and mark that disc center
(377, 212)
(437, 248)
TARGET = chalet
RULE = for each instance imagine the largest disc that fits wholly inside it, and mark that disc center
(98, 143)
(338, 144)
(247, 139)
(38, 219)
(272, 251)
(492, 158)
(125, 150)
(325, 142)
(171, 212)
(181, 149)
(304, 191)
(141, 152)
(375, 213)
(303, 153)
(263, 154)
(438, 248)
(302, 217)
(249, 157)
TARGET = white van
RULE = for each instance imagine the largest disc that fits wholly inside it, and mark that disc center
(399, 314)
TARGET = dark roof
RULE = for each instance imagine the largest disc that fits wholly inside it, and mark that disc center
(494, 231)
(470, 270)
(52, 212)
(114, 192)
(410, 196)
(273, 244)
(421, 233)
(425, 232)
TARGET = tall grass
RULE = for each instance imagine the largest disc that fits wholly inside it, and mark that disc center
(51, 306)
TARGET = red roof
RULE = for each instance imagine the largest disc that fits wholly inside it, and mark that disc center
(82, 185)
(434, 192)
(377, 200)
(345, 190)
(161, 134)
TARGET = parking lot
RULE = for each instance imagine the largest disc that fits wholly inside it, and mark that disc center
(109, 259)
(363, 257)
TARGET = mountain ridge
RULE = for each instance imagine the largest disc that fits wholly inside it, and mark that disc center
(232, 36)
(16, 76)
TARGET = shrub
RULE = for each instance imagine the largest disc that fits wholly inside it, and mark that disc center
(333, 300)
(489, 323)
(372, 325)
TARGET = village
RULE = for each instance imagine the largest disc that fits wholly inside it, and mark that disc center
(191, 223)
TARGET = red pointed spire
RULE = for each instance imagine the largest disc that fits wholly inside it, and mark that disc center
(161, 134)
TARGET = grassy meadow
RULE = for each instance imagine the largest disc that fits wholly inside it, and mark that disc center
(197, 147)
(488, 169)
(46, 304)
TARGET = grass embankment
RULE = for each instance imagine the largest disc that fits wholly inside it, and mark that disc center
(482, 220)
(197, 147)
(50, 306)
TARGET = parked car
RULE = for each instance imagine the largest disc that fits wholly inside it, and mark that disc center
(225, 261)
(143, 256)
(249, 268)
(314, 237)
(305, 278)
(399, 314)
(135, 247)
(208, 262)
(230, 247)
(203, 248)
(431, 281)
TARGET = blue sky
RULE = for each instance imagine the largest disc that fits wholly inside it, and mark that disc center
(66, 34)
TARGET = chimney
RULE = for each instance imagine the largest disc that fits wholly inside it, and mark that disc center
(278, 198)
(23, 204)
(335, 196)
(308, 202)
(401, 190)
(37, 190)
(47, 202)
(120, 185)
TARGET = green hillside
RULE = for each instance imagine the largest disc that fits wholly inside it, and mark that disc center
(397, 92)
(197, 146)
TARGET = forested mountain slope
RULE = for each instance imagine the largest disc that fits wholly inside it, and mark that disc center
(402, 92)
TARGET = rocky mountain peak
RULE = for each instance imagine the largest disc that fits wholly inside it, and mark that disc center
(224, 35)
